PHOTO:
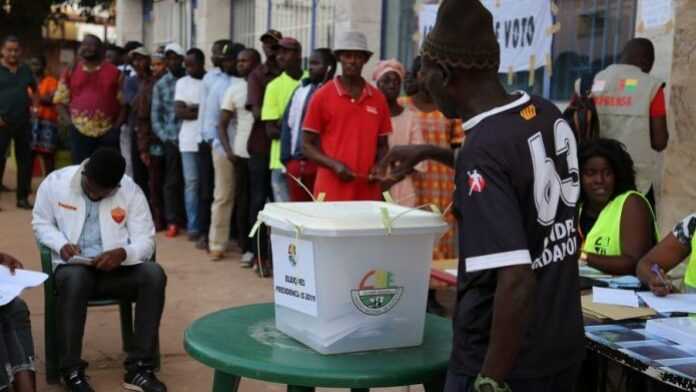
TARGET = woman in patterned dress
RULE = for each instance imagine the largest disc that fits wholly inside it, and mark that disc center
(435, 183)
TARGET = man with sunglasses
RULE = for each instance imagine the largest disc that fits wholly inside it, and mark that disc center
(98, 224)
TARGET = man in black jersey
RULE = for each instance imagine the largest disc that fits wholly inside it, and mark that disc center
(518, 321)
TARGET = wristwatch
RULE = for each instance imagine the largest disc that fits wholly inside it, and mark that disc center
(583, 258)
(487, 384)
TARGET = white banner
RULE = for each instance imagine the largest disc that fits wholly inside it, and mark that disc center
(524, 29)
(655, 13)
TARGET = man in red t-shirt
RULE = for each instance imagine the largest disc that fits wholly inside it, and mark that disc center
(346, 128)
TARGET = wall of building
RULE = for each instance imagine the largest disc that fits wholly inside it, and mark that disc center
(212, 19)
(364, 16)
(129, 21)
(679, 181)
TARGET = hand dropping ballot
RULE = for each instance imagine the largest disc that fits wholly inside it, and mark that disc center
(351, 276)
(13, 285)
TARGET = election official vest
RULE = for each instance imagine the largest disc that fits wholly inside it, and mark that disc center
(605, 237)
(623, 94)
(690, 276)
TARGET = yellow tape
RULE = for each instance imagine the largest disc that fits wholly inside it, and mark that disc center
(532, 69)
(511, 75)
(387, 197)
(548, 63)
(386, 221)
(254, 229)
(554, 8)
(435, 209)
(553, 29)
(321, 197)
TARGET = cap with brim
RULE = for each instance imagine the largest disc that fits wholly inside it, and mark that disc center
(289, 43)
(271, 34)
(141, 51)
(353, 41)
(176, 48)
(463, 37)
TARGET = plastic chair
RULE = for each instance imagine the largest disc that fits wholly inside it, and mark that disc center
(52, 352)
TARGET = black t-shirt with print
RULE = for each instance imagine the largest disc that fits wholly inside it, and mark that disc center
(517, 180)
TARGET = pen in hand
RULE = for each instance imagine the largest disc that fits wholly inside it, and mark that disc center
(664, 284)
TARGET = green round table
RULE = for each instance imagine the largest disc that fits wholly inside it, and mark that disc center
(243, 342)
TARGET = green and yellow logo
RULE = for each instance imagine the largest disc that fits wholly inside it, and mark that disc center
(376, 293)
(292, 254)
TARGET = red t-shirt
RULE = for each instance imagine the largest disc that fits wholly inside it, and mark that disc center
(349, 130)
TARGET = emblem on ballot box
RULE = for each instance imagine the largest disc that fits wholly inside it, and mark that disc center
(376, 293)
(292, 254)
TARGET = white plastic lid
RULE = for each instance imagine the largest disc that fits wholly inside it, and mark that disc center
(358, 218)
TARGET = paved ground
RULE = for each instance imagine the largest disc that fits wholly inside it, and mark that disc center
(196, 286)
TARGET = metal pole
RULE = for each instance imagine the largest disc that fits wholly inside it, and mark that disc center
(268, 15)
(313, 27)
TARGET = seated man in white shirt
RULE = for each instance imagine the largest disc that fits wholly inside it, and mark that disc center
(98, 224)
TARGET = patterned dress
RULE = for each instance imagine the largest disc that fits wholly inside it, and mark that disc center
(435, 184)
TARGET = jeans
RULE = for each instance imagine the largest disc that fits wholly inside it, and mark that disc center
(75, 284)
(565, 380)
(82, 146)
(189, 164)
(223, 202)
(279, 184)
(241, 201)
(155, 186)
(206, 184)
(172, 188)
(21, 134)
(17, 344)
(259, 193)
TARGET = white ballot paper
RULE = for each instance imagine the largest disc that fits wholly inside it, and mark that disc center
(671, 303)
(603, 295)
(12, 285)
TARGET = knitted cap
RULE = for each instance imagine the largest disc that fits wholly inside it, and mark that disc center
(463, 37)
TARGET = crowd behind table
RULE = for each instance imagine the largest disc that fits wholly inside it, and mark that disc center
(199, 152)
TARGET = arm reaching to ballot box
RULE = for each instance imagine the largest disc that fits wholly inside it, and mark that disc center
(400, 161)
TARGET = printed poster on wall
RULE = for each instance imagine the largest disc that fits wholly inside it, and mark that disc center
(523, 28)
(655, 13)
(293, 274)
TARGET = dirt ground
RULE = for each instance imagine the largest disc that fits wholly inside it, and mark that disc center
(196, 286)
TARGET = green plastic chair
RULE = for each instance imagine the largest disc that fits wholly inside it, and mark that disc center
(52, 344)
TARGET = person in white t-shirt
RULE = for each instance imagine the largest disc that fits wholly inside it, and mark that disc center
(186, 100)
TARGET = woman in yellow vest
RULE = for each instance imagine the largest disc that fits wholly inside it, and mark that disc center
(677, 246)
(616, 223)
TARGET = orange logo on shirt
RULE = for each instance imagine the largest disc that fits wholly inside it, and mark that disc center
(118, 215)
(528, 113)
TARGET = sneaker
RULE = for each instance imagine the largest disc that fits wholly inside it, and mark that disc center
(216, 255)
(172, 231)
(24, 204)
(143, 380)
(76, 381)
(202, 243)
(247, 258)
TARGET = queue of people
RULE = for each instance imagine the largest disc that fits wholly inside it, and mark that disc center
(216, 145)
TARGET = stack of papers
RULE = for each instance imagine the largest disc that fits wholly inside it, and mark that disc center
(602, 295)
(679, 329)
(685, 303)
(12, 285)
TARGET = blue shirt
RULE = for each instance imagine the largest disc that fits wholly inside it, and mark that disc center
(164, 122)
(209, 113)
(90, 241)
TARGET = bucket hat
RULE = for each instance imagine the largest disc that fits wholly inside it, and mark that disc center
(353, 41)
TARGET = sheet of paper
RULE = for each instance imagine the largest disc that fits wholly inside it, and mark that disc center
(603, 295)
(589, 272)
(451, 271)
(672, 303)
(12, 285)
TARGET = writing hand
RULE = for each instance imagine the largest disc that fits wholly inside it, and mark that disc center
(658, 284)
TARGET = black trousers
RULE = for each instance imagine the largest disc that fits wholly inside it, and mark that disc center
(173, 190)
(82, 146)
(259, 193)
(143, 283)
(241, 204)
(21, 134)
(206, 186)
(140, 171)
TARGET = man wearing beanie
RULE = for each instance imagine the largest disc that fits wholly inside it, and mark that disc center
(518, 322)
(98, 225)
